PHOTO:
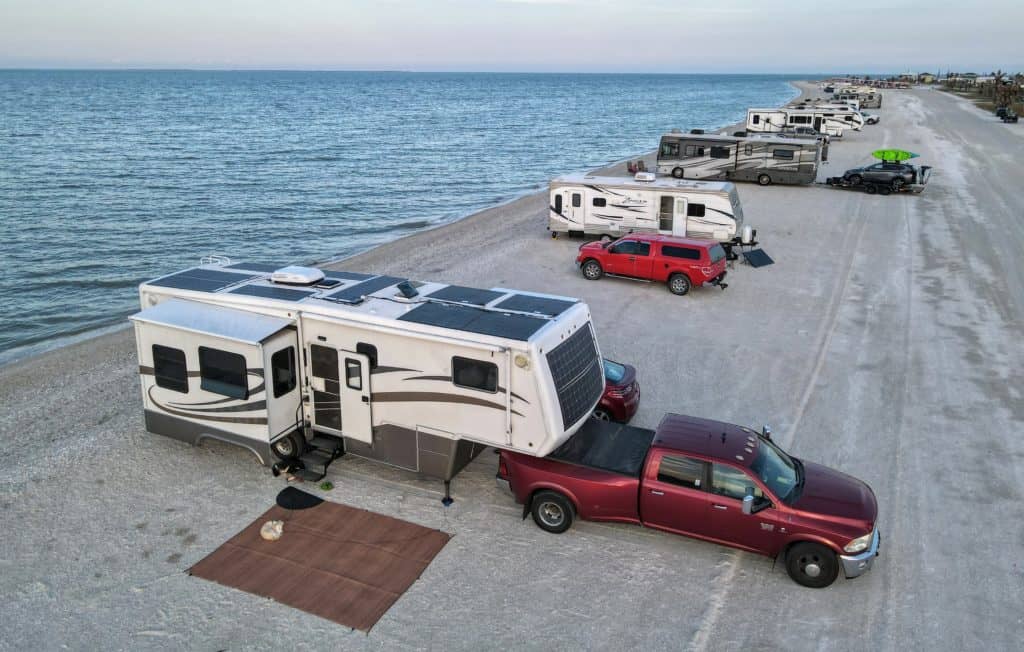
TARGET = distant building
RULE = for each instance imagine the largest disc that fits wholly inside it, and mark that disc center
(925, 78)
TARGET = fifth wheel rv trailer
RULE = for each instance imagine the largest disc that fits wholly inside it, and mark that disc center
(614, 206)
(738, 158)
(300, 365)
(829, 121)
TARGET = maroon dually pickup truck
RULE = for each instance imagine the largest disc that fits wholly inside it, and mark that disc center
(703, 479)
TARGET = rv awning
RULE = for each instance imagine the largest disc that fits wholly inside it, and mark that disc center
(198, 317)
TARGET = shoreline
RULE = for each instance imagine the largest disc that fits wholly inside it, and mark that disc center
(14, 357)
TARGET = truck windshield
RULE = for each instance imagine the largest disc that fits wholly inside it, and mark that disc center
(776, 469)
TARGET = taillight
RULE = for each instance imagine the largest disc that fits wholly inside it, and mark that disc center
(706, 271)
(502, 468)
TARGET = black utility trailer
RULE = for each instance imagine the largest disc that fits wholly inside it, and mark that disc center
(883, 188)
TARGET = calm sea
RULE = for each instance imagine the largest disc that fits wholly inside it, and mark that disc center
(110, 178)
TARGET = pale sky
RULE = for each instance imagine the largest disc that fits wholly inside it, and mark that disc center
(516, 35)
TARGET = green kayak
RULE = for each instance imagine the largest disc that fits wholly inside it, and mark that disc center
(893, 154)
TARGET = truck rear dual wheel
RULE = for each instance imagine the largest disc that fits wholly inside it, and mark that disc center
(812, 565)
(592, 270)
(552, 512)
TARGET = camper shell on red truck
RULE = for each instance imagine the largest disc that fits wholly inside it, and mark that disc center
(680, 263)
(704, 479)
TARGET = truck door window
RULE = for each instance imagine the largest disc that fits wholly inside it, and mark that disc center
(643, 248)
(731, 482)
(623, 247)
(682, 471)
(282, 371)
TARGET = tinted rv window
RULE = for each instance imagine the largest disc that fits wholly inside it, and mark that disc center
(558, 203)
(223, 373)
(694, 151)
(169, 368)
(757, 118)
(599, 202)
(680, 252)
(475, 374)
(695, 210)
(577, 200)
(670, 149)
(370, 351)
(748, 149)
(353, 374)
(783, 153)
(282, 369)
(682, 471)
(719, 152)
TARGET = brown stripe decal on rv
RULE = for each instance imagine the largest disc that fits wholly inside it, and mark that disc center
(435, 397)
(448, 379)
(261, 421)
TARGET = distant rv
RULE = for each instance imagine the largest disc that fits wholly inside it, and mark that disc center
(868, 99)
(737, 158)
(614, 206)
(829, 121)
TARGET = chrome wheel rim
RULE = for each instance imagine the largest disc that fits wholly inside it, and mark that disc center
(679, 285)
(284, 447)
(551, 514)
(601, 415)
(590, 271)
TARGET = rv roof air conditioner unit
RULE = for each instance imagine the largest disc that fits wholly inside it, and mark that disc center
(696, 131)
(644, 176)
(295, 275)
(676, 130)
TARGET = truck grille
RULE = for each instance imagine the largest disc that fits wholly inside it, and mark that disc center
(578, 375)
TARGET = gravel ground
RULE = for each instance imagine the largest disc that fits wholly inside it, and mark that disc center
(886, 341)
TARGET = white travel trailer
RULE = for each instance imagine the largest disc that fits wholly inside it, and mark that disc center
(614, 206)
(829, 121)
(739, 158)
(300, 365)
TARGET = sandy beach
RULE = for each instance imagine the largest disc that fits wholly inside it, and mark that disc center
(885, 342)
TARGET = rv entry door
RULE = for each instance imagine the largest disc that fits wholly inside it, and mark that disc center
(356, 413)
(672, 215)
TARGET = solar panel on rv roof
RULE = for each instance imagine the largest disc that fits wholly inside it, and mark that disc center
(256, 267)
(266, 291)
(201, 280)
(355, 293)
(348, 276)
(475, 320)
(463, 294)
(540, 305)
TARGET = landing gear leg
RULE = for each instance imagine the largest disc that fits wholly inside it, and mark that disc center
(447, 500)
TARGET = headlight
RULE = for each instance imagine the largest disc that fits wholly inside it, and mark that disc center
(860, 543)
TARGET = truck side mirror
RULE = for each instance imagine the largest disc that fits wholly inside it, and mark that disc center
(748, 504)
(766, 430)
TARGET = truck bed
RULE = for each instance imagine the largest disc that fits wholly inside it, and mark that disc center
(608, 446)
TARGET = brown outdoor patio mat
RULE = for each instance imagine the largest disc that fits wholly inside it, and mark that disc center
(338, 562)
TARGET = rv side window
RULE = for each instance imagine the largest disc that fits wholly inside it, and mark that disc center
(599, 202)
(282, 370)
(670, 149)
(223, 373)
(475, 374)
(695, 210)
(558, 203)
(353, 374)
(694, 151)
(370, 351)
(169, 368)
(719, 152)
(680, 252)
(577, 200)
(783, 154)
(748, 149)
(757, 118)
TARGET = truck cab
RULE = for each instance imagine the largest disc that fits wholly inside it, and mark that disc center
(708, 480)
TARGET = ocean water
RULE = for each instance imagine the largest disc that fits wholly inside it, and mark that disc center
(108, 178)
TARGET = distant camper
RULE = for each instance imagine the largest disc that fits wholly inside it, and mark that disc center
(828, 121)
(867, 99)
(614, 206)
(738, 158)
(299, 365)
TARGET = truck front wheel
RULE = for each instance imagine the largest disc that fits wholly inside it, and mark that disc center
(812, 565)
(552, 512)
(592, 270)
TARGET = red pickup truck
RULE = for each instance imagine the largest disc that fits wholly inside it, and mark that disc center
(703, 479)
(681, 263)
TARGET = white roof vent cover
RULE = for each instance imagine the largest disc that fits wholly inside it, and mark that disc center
(295, 275)
(644, 176)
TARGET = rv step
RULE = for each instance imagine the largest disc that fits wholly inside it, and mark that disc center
(309, 476)
(318, 457)
(328, 443)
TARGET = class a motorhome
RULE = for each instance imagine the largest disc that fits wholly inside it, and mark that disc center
(583, 204)
(739, 158)
(299, 365)
(868, 98)
(832, 121)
